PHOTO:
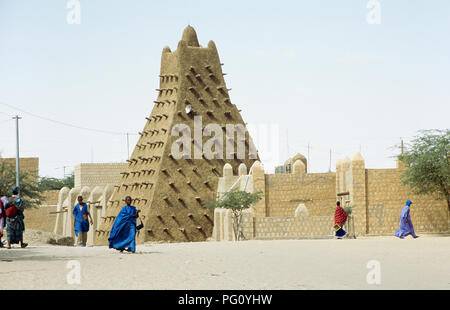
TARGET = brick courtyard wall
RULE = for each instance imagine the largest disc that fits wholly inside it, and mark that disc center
(377, 197)
(40, 218)
(28, 164)
(92, 175)
(284, 192)
(50, 198)
(289, 227)
(386, 197)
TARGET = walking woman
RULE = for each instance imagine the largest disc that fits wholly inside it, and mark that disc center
(2, 218)
(340, 217)
(15, 225)
(123, 232)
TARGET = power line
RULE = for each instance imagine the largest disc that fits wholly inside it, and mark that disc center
(5, 121)
(67, 124)
(6, 114)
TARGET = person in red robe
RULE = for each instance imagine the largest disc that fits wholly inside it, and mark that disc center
(340, 217)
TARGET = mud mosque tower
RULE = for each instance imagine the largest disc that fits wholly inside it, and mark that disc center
(171, 191)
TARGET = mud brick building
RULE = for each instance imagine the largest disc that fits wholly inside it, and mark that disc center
(171, 191)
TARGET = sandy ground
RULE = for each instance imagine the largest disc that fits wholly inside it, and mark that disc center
(423, 263)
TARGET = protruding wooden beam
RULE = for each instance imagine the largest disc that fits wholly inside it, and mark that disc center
(215, 171)
(199, 78)
(194, 91)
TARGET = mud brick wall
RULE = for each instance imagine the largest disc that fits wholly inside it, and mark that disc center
(291, 227)
(271, 228)
(386, 197)
(377, 196)
(284, 192)
(40, 218)
(50, 198)
(28, 164)
(92, 175)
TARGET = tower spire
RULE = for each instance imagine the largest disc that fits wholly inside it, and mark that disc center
(190, 37)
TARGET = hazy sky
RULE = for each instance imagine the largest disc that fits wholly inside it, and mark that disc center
(316, 69)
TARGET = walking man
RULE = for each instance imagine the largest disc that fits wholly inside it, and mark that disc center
(406, 226)
(81, 223)
(123, 232)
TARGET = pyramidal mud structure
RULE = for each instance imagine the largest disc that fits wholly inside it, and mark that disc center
(192, 132)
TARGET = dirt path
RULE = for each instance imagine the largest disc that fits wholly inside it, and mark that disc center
(297, 264)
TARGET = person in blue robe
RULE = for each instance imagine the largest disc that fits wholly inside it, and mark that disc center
(81, 223)
(123, 232)
(406, 226)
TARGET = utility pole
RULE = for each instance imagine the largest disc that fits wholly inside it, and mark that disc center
(17, 118)
(329, 169)
(64, 170)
